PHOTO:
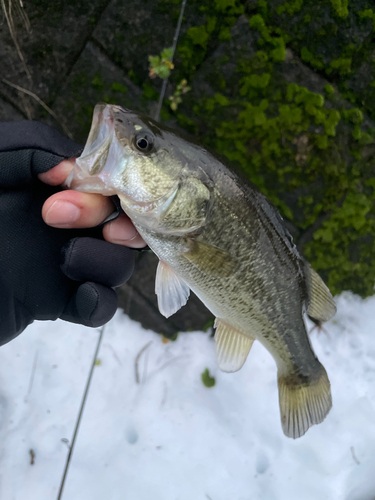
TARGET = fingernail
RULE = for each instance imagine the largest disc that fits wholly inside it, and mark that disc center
(62, 214)
(120, 233)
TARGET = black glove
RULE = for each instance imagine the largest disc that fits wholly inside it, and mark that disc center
(32, 283)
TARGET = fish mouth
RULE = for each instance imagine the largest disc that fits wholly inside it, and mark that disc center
(95, 153)
(100, 156)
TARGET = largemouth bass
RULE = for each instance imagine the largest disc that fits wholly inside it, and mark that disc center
(217, 235)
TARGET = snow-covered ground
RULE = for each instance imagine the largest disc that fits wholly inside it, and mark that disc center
(169, 437)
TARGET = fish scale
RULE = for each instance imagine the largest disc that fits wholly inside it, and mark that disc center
(217, 235)
(242, 298)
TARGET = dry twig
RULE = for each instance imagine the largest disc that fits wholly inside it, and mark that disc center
(9, 19)
(136, 361)
(32, 374)
(354, 456)
(175, 38)
(42, 103)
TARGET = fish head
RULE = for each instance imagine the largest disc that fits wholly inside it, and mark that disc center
(155, 173)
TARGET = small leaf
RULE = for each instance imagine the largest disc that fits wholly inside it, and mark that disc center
(207, 380)
(167, 53)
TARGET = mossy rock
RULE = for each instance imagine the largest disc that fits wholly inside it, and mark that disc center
(295, 136)
(284, 89)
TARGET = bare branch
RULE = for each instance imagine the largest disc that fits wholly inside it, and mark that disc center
(32, 374)
(136, 361)
(354, 456)
(175, 38)
(39, 101)
(9, 19)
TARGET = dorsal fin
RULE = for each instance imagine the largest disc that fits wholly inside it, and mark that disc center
(321, 305)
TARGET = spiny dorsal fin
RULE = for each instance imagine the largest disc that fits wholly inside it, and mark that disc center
(232, 346)
(321, 304)
(172, 292)
(303, 403)
(210, 260)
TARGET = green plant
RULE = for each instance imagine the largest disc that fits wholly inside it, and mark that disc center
(161, 65)
(175, 98)
(207, 380)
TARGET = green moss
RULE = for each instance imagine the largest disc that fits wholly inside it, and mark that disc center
(328, 89)
(133, 77)
(353, 115)
(368, 14)
(97, 82)
(309, 57)
(340, 7)
(254, 81)
(118, 87)
(198, 35)
(278, 53)
(291, 7)
(193, 46)
(356, 214)
(342, 64)
(294, 144)
(283, 136)
(149, 92)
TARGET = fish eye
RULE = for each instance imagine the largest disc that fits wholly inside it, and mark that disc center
(144, 142)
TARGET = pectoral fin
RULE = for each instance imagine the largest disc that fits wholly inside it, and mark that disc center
(172, 292)
(210, 260)
(321, 304)
(232, 346)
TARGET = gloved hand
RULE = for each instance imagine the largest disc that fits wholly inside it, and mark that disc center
(48, 273)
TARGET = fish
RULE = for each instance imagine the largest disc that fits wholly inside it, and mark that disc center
(216, 234)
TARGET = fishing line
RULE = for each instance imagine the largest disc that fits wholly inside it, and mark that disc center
(80, 414)
(175, 38)
(85, 394)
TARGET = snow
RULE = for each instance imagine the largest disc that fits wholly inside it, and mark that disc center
(169, 437)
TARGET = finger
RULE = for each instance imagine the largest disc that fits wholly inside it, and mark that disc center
(122, 232)
(92, 305)
(90, 259)
(57, 175)
(72, 209)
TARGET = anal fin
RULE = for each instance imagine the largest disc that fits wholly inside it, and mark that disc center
(232, 346)
(303, 402)
(172, 292)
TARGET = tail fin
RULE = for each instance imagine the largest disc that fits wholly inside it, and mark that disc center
(303, 402)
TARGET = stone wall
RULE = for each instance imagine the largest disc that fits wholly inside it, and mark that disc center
(286, 90)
